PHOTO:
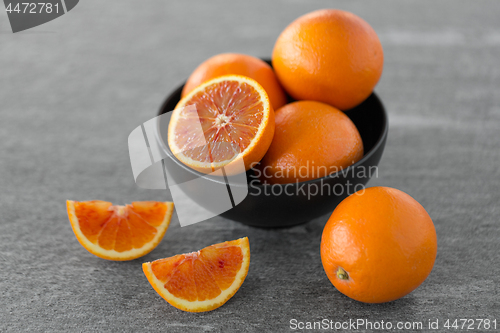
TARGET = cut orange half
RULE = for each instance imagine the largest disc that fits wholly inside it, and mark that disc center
(119, 232)
(232, 120)
(201, 281)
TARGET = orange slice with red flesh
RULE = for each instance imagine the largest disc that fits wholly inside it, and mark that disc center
(116, 232)
(203, 280)
(232, 120)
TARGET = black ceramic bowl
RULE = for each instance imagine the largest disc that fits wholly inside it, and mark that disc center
(291, 204)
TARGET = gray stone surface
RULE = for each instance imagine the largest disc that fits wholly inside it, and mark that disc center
(73, 89)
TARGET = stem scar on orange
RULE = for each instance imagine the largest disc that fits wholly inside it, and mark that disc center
(237, 123)
(203, 280)
(378, 245)
(116, 232)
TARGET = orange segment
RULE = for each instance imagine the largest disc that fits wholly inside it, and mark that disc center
(233, 120)
(201, 281)
(119, 232)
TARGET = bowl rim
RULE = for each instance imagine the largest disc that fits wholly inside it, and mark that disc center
(365, 157)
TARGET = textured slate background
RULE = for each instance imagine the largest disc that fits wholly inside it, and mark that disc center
(72, 90)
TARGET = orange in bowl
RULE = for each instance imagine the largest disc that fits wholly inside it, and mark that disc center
(238, 64)
(233, 120)
(329, 55)
(311, 140)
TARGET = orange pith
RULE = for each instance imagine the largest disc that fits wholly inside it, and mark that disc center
(116, 232)
(202, 280)
(236, 121)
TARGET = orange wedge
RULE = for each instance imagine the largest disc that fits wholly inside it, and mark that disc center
(119, 232)
(233, 121)
(201, 281)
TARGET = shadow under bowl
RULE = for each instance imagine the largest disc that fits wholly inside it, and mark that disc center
(285, 205)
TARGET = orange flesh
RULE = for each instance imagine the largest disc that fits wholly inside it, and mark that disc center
(119, 228)
(201, 275)
(229, 112)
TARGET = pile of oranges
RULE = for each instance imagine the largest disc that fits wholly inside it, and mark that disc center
(236, 110)
(328, 61)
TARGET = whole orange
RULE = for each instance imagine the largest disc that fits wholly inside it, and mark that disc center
(238, 64)
(378, 245)
(311, 140)
(329, 55)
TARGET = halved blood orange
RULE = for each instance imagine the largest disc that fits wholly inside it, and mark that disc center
(237, 122)
(116, 232)
(201, 281)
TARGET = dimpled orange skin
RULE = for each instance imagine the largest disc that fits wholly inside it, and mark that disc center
(310, 136)
(384, 240)
(238, 64)
(329, 55)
